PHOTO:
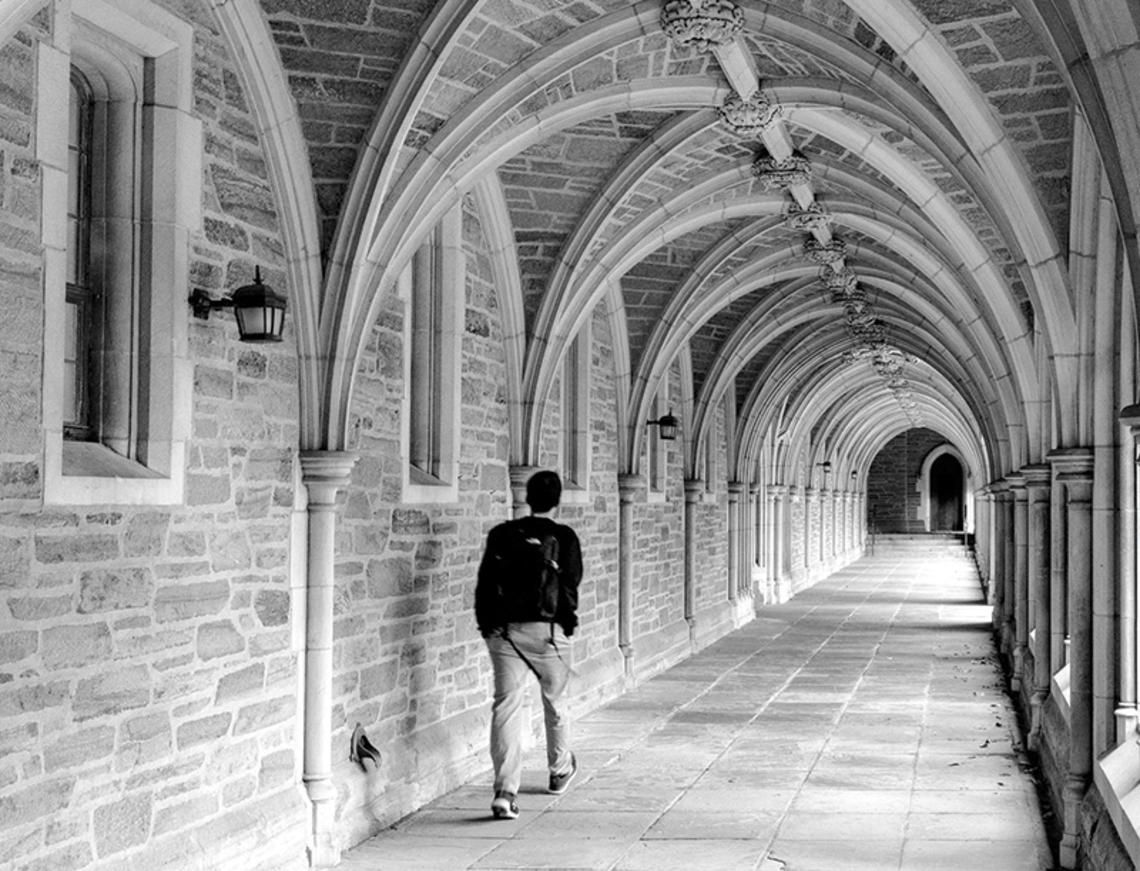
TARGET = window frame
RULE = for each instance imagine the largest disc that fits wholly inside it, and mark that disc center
(137, 57)
(576, 463)
(433, 289)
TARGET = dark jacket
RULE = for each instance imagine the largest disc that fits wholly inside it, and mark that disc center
(489, 610)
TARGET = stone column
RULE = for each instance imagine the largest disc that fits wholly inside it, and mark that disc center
(997, 553)
(776, 561)
(1019, 612)
(811, 497)
(630, 487)
(519, 476)
(1075, 472)
(1127, 716)
(824, 510)
(1008, 632)
(324, 474)
(693, 490)
(734, 490)
(1058, 571)
(1037, 482)
(756, 554)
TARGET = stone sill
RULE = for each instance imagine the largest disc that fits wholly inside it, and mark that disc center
(1117, 777)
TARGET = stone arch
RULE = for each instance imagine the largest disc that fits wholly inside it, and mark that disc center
(928, 481)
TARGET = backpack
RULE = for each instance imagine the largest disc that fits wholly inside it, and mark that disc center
(528, 575)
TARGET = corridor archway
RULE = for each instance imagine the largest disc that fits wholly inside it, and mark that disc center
(945, 502)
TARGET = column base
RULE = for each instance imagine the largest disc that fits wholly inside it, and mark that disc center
(1070, 847)
(1036, 718)
(1016, 680)
(324, 851)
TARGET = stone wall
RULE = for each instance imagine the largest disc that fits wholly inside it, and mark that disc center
(148, 670)
(893, 502)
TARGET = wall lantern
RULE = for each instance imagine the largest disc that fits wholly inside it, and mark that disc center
(258, 309)
(668, 425)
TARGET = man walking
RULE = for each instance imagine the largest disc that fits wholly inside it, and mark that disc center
(526, 603)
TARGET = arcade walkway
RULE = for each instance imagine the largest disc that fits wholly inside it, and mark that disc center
(860, 726)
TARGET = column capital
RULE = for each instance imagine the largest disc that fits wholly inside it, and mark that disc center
(996, 488)
(325, 472)
(694, 487)
(521, 474)
(1037, 475)
(630, 486)
(777, 491)
(735, 488)
(810, 493)
(1016, 482)
(1072, 464)
(1130, 417)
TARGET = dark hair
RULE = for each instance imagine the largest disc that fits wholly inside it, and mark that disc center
(543, 491)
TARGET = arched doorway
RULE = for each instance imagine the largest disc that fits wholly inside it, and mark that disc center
(946, 488)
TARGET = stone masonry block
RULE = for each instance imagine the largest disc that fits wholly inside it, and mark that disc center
(276, 769)
(19, 480)
(79, 748)
(115, 589)
(229, 550)
(15, 646)
(73, 857)
(114, 691)
(254, 717)
(122, 824)
(204, 730)
(75, 645)
(240, 683)
(36, 802)
(85, 548)
(389, 577)
(207, 489)
(36, 608)
(146, 534)
(219, 638)
(14, 562)
(186, 601)
(18, 738)
(36, 697)
(272, 607)
(144, 739)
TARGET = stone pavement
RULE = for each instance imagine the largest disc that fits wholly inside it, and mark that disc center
(861, 725)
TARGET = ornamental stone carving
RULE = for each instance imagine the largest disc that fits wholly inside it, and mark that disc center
(702, 23)
(748, 118)
(775, 174)
(841, 283)
(825, 253)
(806, 220)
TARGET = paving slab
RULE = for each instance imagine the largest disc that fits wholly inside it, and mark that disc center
(863, 725)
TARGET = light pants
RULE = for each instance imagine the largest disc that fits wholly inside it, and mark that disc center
(548, 655)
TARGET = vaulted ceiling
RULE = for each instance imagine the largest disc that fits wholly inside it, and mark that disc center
(847, 218)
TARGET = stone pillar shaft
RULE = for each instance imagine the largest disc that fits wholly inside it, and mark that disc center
(629, 488)
(734, 490)
(1127, 714)
(777, 562)
(693, 490)
(1020, 605)
(1075, 472)
(324, 474)
(1038, 480)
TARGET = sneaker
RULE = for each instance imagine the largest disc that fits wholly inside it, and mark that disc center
(559, 782)
(504, 807)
